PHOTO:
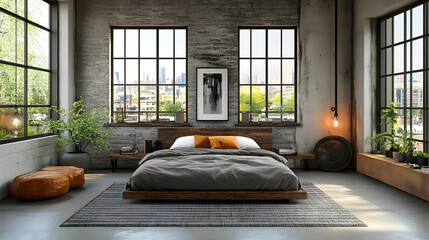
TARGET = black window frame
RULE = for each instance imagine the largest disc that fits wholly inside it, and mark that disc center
(53, 67)
(381, 103)
(266, 58)
(157, 84)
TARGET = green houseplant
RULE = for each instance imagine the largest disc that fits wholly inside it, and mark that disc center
(422, 158)
(391, 116)
(377, 140)
(406, 145)
(175, 109)
(81, 129)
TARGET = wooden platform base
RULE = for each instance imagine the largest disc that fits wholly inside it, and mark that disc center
(214, 195)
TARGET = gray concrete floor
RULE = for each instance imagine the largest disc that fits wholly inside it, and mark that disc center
(388, 212)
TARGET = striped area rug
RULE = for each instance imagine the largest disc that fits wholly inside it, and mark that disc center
(110, 210)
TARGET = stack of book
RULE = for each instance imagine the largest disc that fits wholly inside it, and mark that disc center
(128, 151)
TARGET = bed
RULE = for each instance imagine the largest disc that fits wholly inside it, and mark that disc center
(214, 174)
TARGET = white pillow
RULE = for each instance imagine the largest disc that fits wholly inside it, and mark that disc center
(184, 142)
(245, 142)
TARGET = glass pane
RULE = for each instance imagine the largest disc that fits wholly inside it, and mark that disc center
(131, 118)
(147, 71)
(244, 98)
(274, 72)
(399, 120)
(148, 117)
(180, 44)
(11, 124)
(389, 61)
(408, 53)
(389, 32)
(118, 71)
(382, 33)
(37, 120)
(274, 43)
(118, 98)
(408, 33)
(132, 98)
(418, 84)
(383, 62)
(132, 71)
(274, 99)
(11, 85)
(258, 71)
(258, 102)
(258, 43)
(408, 121)
(132, 43)
(38, 12)
(399, 90)
(288, 98)
(180, 94)
(288, 43)
(118, 43)
(245, 43)
(244, 71)
(417, 21)
(398, 33)
(180, 69)
(38, 47)
(389, 90)
(15, 6)
(12, 39)
(398, 62)
(38, 87)
(165, 97)
(147, 43)
(417, 54)
(408, 90)
(148, 98)
(383, 92)
(417, 118)
(166, 71)
(166, 43)
(288, 117)
(288, 71)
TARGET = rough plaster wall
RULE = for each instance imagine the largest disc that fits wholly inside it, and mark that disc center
(316, 84)
(364, 64)
(23, 157)
(213, 41)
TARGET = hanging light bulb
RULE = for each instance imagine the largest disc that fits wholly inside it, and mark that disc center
(335, 121)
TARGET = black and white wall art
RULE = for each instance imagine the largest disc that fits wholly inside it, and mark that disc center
(212, 93)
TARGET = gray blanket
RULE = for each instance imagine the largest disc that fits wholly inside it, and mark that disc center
(213, 169)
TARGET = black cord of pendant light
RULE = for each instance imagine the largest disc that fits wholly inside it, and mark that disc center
(335, 109)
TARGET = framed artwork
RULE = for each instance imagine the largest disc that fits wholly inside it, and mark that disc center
(212, 94)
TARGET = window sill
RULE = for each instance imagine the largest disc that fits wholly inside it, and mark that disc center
(152, 124)
(268, 124)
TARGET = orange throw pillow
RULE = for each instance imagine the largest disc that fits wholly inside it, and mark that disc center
(224, 142)
(201, 141)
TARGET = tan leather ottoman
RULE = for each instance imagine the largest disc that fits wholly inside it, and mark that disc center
(76, 175)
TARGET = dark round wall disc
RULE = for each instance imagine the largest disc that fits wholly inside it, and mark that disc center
(333, 153)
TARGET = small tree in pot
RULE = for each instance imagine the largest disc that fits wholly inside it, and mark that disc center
(390, 115)
(84, 129)
(175, 109)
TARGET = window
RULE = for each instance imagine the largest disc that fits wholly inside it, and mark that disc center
(149, 73)
(27, 62)
(403, 38)
(267, 74)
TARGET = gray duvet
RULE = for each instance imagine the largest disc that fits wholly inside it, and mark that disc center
(213, 169)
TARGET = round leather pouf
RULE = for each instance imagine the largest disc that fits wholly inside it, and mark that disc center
(333, 153)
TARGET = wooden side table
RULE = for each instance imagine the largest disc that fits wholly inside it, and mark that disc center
(114, 157)
(303, 156)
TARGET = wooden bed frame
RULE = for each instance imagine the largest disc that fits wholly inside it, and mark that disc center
(263, 136)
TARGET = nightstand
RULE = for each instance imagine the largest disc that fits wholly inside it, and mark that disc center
(114, 157)
(303, 156)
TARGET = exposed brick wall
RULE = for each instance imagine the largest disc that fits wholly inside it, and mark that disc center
(212, 41)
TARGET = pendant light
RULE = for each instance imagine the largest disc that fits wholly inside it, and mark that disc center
(335, 109)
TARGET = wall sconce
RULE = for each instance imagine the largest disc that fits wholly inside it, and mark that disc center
(335, 109)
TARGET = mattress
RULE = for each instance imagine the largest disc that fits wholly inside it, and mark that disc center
(213, 169)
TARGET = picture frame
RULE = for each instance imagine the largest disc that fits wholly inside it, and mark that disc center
(212, 94)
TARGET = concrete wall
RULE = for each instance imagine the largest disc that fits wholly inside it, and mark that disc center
(23, 157)
(213, 41)
(364, 65)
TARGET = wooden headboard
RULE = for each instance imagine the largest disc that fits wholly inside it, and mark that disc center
(263, 136)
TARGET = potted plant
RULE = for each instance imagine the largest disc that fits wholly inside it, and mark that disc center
(392, 146)
(422, 158)
(255, 110)
(377, 140)
(83, 129)
(406, 144)
(402, 154)
(175, 109)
